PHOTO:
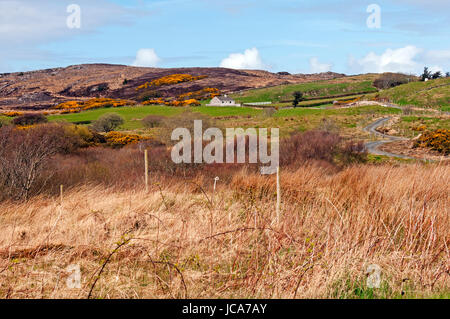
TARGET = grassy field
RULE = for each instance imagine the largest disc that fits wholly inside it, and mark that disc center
(311, 89)
(333, 225)
(287, 120)
(131, 114)
(411, 126)
(433, 93)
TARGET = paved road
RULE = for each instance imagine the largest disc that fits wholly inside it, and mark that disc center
(372, 147)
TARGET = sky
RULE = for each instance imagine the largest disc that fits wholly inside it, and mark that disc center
(297, 36)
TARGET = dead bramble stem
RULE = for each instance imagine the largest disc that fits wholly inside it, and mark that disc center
(120, 244)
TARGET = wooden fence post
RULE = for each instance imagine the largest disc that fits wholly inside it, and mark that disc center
(61, 187)
(146, 170)
(278, 194)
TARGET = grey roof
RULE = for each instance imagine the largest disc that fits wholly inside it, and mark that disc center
(225, 99)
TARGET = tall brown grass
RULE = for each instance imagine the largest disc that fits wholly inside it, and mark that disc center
(185, 242)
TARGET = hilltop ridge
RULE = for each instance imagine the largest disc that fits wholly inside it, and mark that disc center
(43, 89)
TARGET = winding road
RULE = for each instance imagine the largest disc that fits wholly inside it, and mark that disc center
(372, 147)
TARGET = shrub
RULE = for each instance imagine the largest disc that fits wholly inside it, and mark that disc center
(171, 79)
(389, 80)
(151, 121)
(30, 119)
(118, 139)
(269, 112)
(76, 106)
(12, 114)
(203, 94)
(438, 140)
(4, 122)
(190, 102)
(83, 136)
(319, 145)
(108, 122)
(25, 153)
(185, 120)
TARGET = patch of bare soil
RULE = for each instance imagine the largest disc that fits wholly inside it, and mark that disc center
(406, 148)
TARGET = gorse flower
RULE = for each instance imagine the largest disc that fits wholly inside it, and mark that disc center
(171, 79)
(74, 106)
(118, 139)
(438, 140)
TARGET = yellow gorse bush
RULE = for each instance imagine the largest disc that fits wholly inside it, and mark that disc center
(117, 139)
(190, 102)
(203, 94)
(73, 106)
(12, 114)
(171, 79)
(348, 101)
(438, 140)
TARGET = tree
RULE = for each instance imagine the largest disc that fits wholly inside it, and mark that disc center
(426, 74)
(24, 155)
(298, 97)
(447, 75)
(108, 122)
(436, 75)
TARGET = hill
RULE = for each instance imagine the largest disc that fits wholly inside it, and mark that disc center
(433, 94)
(327, 88)
(43, 89)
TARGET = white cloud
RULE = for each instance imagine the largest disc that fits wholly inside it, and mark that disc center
(250, 59)
(316, 67)
(436, 68)
(409, 59)
(398, 60)
(28, 25)
(147, 58)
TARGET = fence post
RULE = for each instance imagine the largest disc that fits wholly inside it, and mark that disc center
(278, 194)
(214, 190)
(61, 187)
(146, 170)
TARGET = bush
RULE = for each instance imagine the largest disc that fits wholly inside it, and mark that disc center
(108, 122)
(184, 120)
(319, 145)
(269, 112)
(389, 80)
(4, 122)
(24, 155)
(30, 119)
(151, 121)
(438, 140)
(118, 139)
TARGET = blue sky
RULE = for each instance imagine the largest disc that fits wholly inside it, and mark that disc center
(301, 36)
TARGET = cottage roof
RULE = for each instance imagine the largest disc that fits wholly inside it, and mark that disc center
(225, 99)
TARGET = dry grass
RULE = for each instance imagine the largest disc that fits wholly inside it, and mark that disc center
(334, 224)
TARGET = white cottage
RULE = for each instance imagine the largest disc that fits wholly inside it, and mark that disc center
(222, 101)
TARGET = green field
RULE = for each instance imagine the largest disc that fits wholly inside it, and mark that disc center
(433, 93)
(134, 114)
(131, 114)
(310, 90)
